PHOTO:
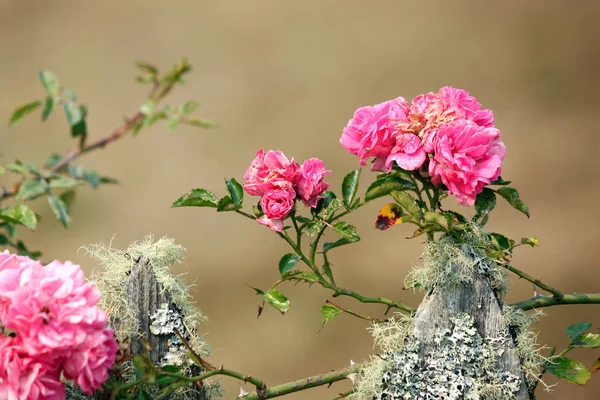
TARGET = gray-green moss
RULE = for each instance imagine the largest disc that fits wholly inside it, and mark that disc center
(447, 262)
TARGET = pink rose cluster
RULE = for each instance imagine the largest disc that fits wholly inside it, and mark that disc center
(446, 133)
(279, 181)
(52, 327)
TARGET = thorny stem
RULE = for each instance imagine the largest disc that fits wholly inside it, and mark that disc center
(305, 383)
(348, 311)
(548, 301)
(555, 292)
(264, 392)
(338, 291)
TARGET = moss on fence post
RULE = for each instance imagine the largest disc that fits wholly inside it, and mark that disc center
(145, 301)
(462, 343)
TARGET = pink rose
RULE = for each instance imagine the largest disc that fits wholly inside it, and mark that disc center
(26, 377)
(54, 313)
(269, 171)
(407, 153)
(88, 365)
(54, 308)
(466, 158)
(430, 111)
(373, 129)
(310, 185)
(276, 204)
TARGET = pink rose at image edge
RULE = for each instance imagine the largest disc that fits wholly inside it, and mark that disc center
(268, 171)
(53, 311)
(310, 185)
(371, 131)
(276, 205)
(467, 157)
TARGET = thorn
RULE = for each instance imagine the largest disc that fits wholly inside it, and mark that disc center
(535, 292)
(352, 377)
(243, 393)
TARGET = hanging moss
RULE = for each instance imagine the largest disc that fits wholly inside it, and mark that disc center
(182, 314)
(448, 262)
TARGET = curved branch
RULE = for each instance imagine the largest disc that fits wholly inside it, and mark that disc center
(536, 282)
(548, 301)
(303, 384)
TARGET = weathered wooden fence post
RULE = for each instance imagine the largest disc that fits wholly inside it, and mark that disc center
(157, 317)
(146, 303)
(458, 344)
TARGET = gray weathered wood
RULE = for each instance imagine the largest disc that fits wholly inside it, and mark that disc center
(145, 296)
(478, 300)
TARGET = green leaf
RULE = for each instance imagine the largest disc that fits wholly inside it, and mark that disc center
(512, 196)
(324, 202)
(147, 67)
(68, 93)
(227, 204)
(50, 82)
(333, 206)
(459, 217)
(275, 298)
(350, 187)
(31, 189)
(332, 245)
(64, 182)
(172, 124)
(143, 395)
(596, 366)
(73, 113)
(587, 340)
(258, 291)
(578, 329)
(436, 219)
(68, 197)
(107, 180)
(19, 214)
(189, 106)
(386, 184)
(60, 209)
(79, 129)
(329, 312)
(500, 182)
(49, 106)
(197, 198)
(407, 203)
(235, 190)
(346, 230)
(18, 167)
(199, 122)
(533, 241)
(52, 160)
(288, 262)
(502, 242)
(569, 370)
(313, 228)
(484, 203)
(22, 111)
(420, 231)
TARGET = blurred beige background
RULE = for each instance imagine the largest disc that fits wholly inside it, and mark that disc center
(288, 75)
